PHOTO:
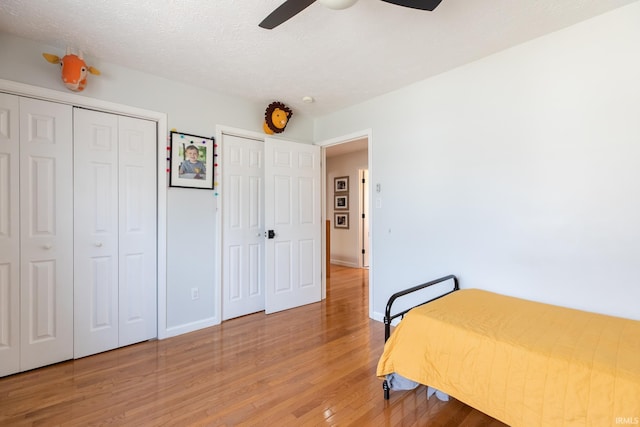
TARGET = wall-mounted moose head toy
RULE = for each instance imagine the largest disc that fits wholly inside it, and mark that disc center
(74, 69)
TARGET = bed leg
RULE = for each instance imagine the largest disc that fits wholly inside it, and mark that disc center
(385, 387)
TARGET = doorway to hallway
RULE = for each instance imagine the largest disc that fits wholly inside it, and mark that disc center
(346, 165)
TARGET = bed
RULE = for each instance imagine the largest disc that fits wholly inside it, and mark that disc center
(524, 363)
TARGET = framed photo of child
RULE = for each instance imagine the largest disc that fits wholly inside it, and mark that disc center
(191, 161)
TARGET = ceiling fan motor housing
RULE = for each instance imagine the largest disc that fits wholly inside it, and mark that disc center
(337, 4)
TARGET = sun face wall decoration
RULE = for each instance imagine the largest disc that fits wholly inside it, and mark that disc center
(276, 118)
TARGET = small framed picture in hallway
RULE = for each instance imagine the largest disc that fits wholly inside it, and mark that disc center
(341, 184)
(341, 220)
(341, 202)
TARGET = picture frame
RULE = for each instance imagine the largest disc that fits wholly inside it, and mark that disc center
(341, 202)
(341, 220)
(191, 161)
(341, 184)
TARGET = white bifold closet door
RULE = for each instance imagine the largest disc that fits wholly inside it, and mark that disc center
(9, 234)
(36, 229)
(46, 233)
(115, 231)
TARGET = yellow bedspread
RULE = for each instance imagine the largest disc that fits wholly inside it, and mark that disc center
(522, 362)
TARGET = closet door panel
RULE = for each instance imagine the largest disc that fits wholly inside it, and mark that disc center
(9, 235)
(96, 232)
(46, 225)
(137, 230)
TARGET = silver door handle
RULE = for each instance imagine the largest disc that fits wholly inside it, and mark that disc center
(98, 244)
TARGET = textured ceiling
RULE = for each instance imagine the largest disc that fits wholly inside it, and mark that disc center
(339, 57)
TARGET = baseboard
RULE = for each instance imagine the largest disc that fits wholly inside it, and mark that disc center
(344, 263)
(174, 331)
(378, 316)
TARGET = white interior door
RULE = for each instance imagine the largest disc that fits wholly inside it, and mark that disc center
(137, 239)
(96, 232)
(243, 226)
(115, 231)
(46, 252)
(9, 235)
(292, 211)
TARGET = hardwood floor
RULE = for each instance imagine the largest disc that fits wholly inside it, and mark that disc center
(310, 366)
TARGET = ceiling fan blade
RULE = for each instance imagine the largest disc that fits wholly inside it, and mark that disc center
(416, 4)
(286, 10)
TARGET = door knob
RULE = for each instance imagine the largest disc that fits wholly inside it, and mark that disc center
(98, 244)
(47, 246)
(271, 234)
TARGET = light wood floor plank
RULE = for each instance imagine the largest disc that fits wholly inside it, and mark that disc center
(310, 366)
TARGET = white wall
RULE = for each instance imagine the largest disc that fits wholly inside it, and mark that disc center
(191, 214)
(519, 172)
(345, 248)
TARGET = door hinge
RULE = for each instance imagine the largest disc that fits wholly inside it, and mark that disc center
(362, 216)
(363, 252)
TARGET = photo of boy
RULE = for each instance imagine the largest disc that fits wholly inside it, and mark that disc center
(191, 167)
(191, 161)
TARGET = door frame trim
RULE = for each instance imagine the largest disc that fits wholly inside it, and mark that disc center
(363, 213)
(22, 89)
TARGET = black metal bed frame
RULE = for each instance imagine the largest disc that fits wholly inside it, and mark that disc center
(388, 318)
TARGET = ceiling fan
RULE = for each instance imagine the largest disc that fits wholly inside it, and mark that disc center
(290, 8)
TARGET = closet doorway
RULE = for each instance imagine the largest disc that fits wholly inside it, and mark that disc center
(29, 114)
(271, 232)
